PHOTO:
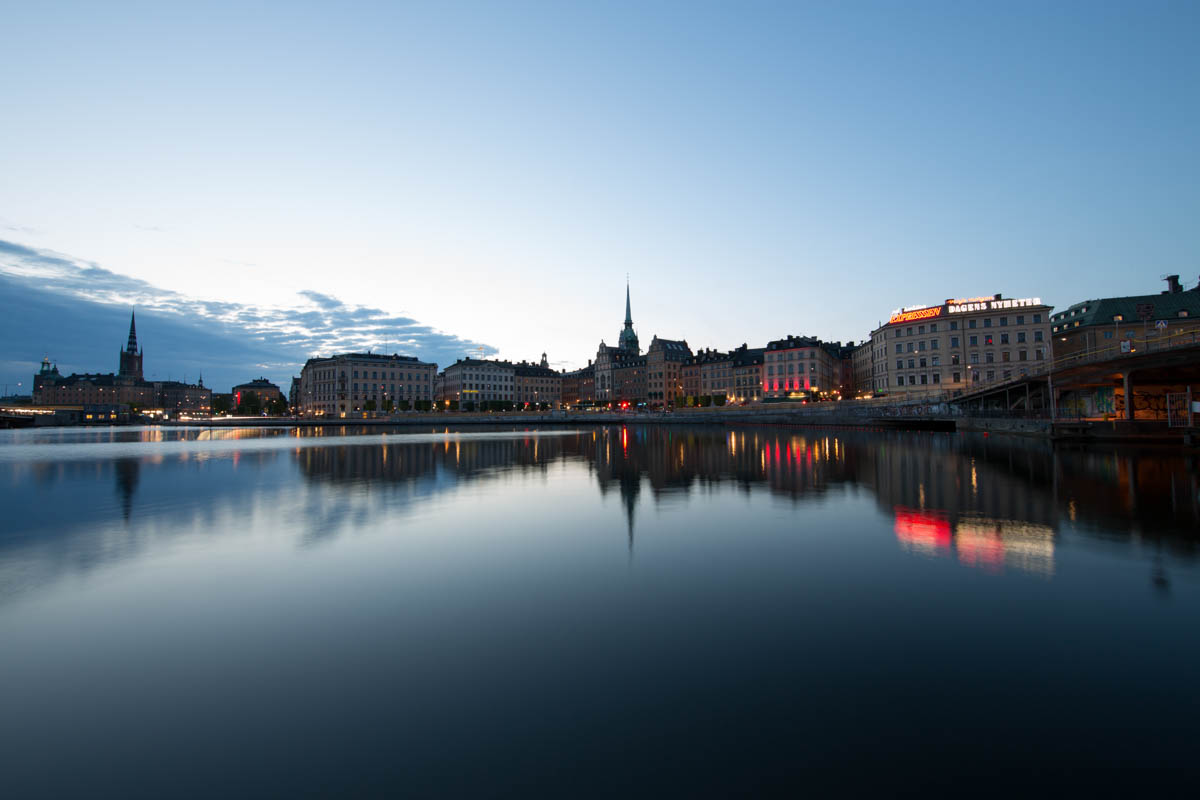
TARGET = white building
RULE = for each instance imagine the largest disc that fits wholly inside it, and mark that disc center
(357, 383)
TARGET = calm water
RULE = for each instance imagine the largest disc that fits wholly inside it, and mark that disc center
(597, 610)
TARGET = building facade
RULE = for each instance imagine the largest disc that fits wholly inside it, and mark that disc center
(861, 358)
(357, 383)
(472, 381)
(261, 389)
(1100, 326)
(537, 385)
(579, 387)
(801, 367)
(929, 351)
(665, 360)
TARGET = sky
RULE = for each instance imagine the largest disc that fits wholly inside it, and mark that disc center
(271, 181)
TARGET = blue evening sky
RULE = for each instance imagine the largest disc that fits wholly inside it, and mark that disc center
(488, 173)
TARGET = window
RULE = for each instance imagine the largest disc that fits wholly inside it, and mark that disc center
(910, 347)
(974, 341)
(1004, 322)
(912, 364)
(1004, 338)
(954, 325)
(921, 345)
(1039, 355)
(924, 379)
(954, 358)
(989, 357)
(975, 377)
(1020, 337)
(1108, 334)
(1037, 318)
(1118, 317)
(1037, 336)
(1022, 355)
(937, 377)
(1005, 356)
(921, 330)
(954, 341)
(933, 328)
(1020, 319)
(958, 377)
(937, 362)
(933, 344)
(988, 340)
(908, 331)
(974, 358)
(923, 365)
(991, 376)
(987, 322)
(899, 380)
(971, 324)
(1182, 313)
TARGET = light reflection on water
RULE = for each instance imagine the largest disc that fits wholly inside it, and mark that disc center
(501, 593)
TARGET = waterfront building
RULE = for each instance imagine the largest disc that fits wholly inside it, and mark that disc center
(928, 351)
(472, 381)
(537, 384)
(746, 369)
(357, 383)
(716, 372)
(611, 386)
(665, 360)
(579, 386)
(262, 390)
(629, 378)
(862, 365)
(294, 395)
(125, 388)
(689, 377)
(798, 367)
(1099, 326)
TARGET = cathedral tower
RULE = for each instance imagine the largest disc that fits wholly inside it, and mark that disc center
(131, 357)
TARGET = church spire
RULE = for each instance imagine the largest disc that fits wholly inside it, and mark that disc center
(628, 339)
(131, 347)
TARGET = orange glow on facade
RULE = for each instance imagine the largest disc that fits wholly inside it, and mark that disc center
(922, 313)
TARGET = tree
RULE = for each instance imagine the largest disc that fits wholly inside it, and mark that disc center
(369, 405)
(718, 399)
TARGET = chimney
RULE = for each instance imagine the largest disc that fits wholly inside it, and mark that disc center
(1173, 286)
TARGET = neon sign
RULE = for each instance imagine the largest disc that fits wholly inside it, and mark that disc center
(909, 316)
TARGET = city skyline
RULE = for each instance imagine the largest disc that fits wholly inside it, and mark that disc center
(487, 177)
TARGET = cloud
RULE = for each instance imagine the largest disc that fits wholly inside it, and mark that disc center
(77, 313)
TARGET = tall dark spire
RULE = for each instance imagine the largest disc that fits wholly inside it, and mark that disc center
(131, 357)
(132, 346)
(628, 339)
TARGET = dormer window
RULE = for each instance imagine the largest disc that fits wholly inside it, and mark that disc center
(1118, 317)
(1183, 313)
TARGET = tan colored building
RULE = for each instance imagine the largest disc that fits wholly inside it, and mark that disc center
(664, 366)
(931, 351)
(359, 383)
(472, 381)
(798, 367)
(536, 385)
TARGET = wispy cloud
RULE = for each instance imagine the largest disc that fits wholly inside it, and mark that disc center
(48, 296)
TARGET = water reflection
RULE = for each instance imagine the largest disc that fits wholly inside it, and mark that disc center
(988, 503)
